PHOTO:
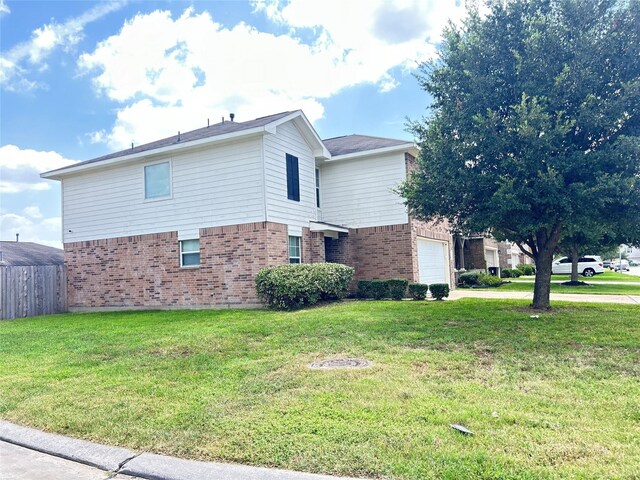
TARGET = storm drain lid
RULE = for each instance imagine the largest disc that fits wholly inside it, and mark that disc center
(340, 363)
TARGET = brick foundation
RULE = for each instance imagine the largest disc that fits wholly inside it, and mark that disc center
(144, 270)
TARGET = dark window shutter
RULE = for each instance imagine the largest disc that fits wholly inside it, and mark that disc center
(293, 179)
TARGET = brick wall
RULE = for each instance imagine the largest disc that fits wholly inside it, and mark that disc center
(382, 252)
(144, 270)
(312, 246)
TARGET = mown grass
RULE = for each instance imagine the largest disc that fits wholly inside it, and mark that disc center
(555, 396)
(589, 289)
(607, 276)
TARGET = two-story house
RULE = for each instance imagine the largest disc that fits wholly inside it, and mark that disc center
(188, 221)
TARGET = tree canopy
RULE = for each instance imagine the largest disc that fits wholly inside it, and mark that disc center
(534, 124)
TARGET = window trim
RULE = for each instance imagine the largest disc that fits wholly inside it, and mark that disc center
(182, 253)
(299, 247)
(144, 181)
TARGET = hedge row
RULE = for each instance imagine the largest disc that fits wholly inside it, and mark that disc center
(471, 279)
(294, 286)
(398, 288)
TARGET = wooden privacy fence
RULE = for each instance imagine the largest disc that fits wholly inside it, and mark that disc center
(26, 291)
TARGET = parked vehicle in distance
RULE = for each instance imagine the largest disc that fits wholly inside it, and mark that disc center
(633, 263)
(625, 266)
(607, 264)
(588, 266)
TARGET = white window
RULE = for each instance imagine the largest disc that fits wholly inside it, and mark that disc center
(157, 180)
(189, 253)
(294, 249)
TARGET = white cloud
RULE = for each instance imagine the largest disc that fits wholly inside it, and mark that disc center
(20, 169)
(33, 212)
(172, 74)
(4, 9)
(15, 63)
(46, 231)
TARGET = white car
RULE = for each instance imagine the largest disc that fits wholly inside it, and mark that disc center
(588, 265)
(625, 265)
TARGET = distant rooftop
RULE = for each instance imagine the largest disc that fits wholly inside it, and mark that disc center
(359, 143)
(29, 253)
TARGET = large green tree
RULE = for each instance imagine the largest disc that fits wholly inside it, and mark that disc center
(534, 122)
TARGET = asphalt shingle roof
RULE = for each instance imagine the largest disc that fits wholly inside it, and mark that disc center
(336, 146)
(205, 132)
(29, 253)
(359, 143)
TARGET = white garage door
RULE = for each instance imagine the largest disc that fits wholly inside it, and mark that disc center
(491, 257)
(433, 261)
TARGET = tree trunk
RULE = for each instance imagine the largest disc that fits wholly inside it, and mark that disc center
(574, 263)
(542, 286)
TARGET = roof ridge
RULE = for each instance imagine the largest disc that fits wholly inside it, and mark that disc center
(367, 136)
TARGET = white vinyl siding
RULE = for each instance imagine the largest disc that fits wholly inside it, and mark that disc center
(280, 209)
(214, 186)
(359, 193)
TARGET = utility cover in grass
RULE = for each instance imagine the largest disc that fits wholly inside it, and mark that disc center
(340, 363)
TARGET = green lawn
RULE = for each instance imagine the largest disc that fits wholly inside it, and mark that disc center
(551, 397)
(597, 289)
(607, 276)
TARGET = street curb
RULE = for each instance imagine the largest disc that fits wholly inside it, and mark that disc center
(81, 451)
(145, 465)
(161, 467)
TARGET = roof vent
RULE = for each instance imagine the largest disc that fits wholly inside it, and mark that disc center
(232, 116)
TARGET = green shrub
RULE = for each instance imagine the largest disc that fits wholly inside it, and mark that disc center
(505, 273)
(364, 289)
(439, 290)
(293, 286)
(418, 291)
(397, 288)
(515, 273)
(489, 281)
(526, 269)
(468, 279)
(379, 289)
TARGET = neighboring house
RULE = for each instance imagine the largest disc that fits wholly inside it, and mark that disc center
(29, 254)
(32, 280)
(633, 253)
(189, 220)
(481, 253)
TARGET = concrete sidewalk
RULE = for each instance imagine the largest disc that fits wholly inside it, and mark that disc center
(586, 280)
(31, 454)
(564, 297)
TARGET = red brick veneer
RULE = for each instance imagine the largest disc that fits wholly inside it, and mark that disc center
(144, 270)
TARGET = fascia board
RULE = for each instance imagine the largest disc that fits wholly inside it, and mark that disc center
(378, 151)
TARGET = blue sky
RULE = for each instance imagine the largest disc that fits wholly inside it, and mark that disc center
(79, 79)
